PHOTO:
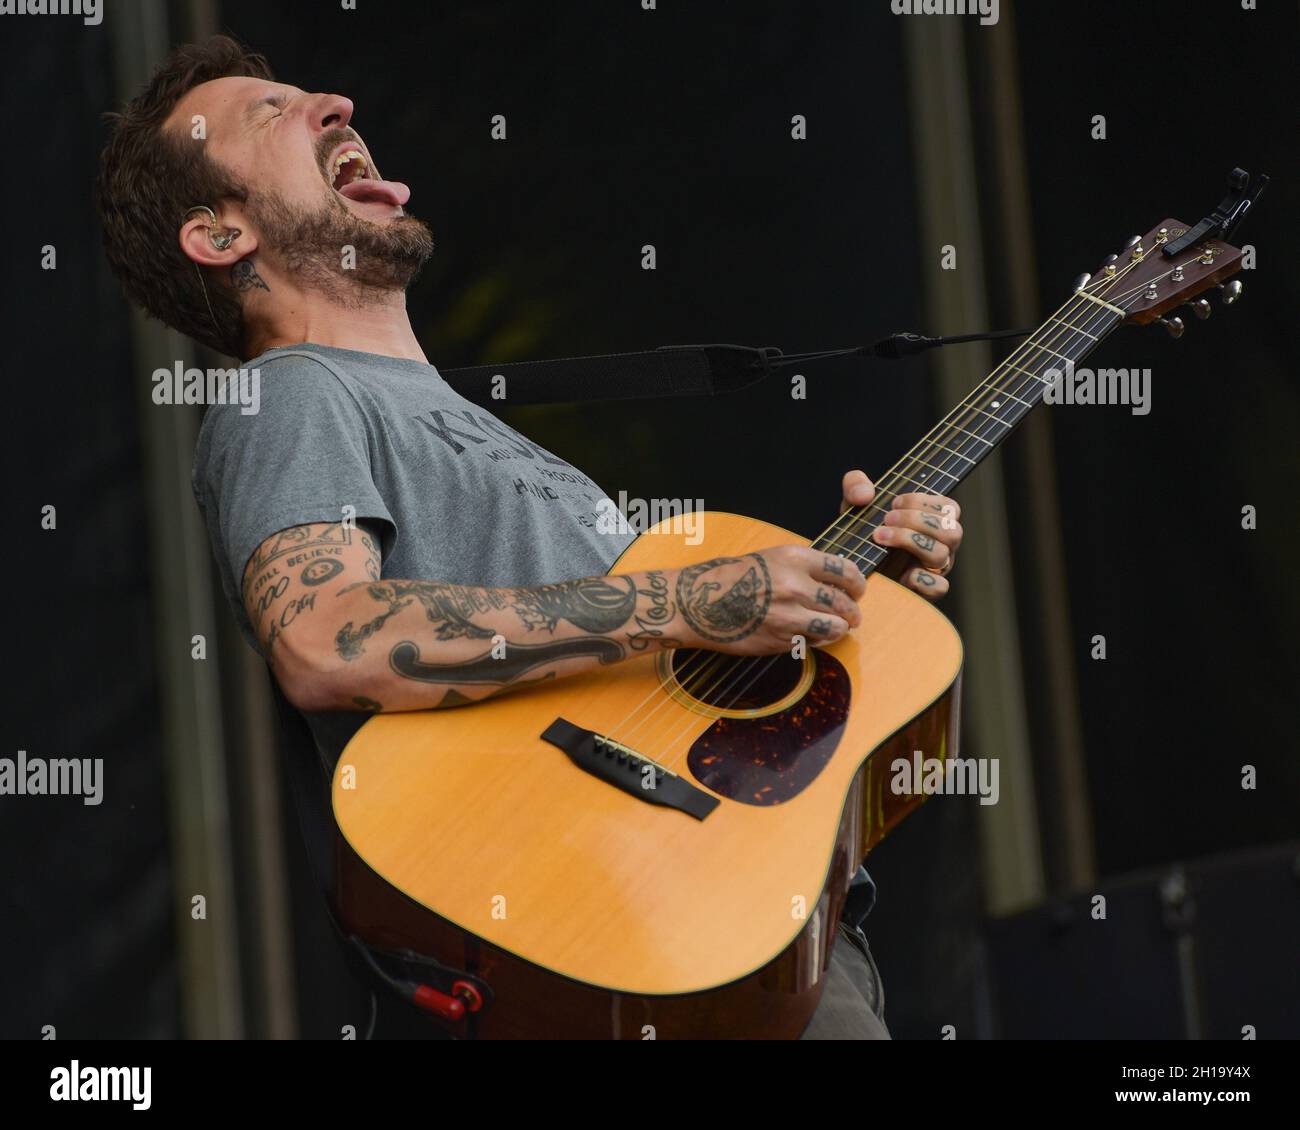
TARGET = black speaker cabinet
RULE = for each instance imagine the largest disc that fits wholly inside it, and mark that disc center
(1192, 951)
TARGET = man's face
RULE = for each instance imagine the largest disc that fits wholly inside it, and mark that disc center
(313, 186)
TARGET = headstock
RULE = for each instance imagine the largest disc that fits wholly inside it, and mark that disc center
(1174, 263)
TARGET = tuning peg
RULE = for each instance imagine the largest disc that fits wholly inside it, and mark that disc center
(1082, 281)
(1201, 308)
(1230, 291)
(1133, 242)
(1173, 325)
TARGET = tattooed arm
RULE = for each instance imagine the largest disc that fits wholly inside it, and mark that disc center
(340, 637)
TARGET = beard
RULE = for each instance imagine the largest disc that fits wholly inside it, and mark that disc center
(310, 242)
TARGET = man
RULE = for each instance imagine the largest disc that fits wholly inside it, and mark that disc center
(365, 503)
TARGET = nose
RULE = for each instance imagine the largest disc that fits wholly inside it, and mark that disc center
(332, 111)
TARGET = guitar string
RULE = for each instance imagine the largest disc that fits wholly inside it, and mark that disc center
(857, 519)
(714, 694)
(704, 658)
(1057, 333)
(689, 679)
(727, 696)
(1062, 330)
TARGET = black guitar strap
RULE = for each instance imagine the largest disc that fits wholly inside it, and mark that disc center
(671, 370)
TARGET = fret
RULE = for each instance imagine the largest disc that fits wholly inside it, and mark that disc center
(1018, 369)
(864, 543)
(937, 470)
(1074, 329)
(959, 454)
(991, 417)
(1009, 396)
(921, 488)
(978, 439)
(957, 444)
(1053, 352)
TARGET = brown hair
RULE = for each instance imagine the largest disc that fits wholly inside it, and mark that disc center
(150, 176)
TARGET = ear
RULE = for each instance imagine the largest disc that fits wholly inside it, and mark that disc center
(199, 248)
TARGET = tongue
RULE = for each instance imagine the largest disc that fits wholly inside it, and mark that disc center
(369, 190)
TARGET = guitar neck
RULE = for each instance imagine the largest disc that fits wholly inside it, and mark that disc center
(959, 442)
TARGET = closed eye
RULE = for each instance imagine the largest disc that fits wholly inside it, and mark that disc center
(276, 102)
(254, 114)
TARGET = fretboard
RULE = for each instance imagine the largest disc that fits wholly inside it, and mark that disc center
(956, 445)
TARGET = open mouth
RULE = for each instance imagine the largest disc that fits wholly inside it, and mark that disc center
(350, 175)
(349, 166)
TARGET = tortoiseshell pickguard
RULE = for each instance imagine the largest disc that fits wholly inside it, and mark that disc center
(770, 760)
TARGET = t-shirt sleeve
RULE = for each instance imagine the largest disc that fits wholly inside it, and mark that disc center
(304, 456)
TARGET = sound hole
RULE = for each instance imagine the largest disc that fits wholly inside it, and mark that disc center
(731, 682)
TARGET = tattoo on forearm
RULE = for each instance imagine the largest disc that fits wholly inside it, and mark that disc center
(487, 669)
(244, 276)
(595, 604)
(743, 596)
(350, 642)
(447, 606)
(661, 611)
(453, 697)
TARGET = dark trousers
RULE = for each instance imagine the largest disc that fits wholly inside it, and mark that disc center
(853, 1001)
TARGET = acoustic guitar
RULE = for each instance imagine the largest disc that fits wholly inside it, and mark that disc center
(663, 848)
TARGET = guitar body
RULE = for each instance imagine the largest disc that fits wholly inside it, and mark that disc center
(589, 913)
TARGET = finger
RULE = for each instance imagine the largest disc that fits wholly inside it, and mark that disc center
(927, 549)
(832, 569)
(819, 630)
(856, 490)
(935, 503)
(927, 522)
(930, 585)
(828, 598)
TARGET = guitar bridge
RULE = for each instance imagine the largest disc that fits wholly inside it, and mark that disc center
(621, 766)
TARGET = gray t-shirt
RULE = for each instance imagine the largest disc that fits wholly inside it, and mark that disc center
(455, 494)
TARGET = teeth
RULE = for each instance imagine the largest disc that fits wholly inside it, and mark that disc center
(350, 155)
